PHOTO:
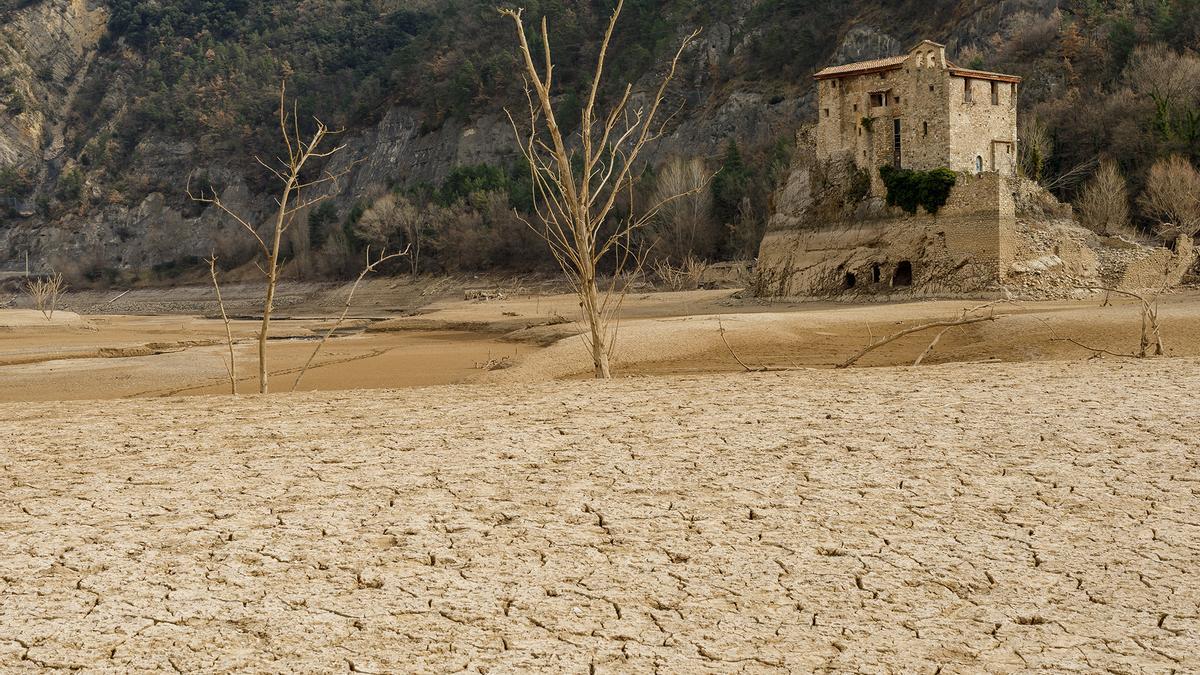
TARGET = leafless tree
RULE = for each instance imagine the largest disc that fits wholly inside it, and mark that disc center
(1103, 204)
(371, 266)
(45, 293)
(394, 217)
(1035, 148)
(1150, 342)
(683, 227)
(230, 367)
(575, 192)
(299, 191)
(1172, 196)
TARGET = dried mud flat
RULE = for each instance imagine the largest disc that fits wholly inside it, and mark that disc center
(956, 518)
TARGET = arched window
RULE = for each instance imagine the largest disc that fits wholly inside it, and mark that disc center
(978, 164)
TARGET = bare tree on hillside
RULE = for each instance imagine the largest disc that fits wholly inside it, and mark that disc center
(576, 191)
(393, 215)
(1172, 196)
(683, 228)
(296, 195)
(1103, 204)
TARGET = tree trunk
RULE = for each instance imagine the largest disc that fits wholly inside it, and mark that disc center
(591, 308)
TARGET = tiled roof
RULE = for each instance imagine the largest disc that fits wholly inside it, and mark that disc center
(874, 65)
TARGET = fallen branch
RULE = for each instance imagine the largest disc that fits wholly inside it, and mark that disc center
(964, 319)
(721, 330)
(370, 267)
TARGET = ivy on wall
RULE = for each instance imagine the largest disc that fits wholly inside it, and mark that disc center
(909, 189)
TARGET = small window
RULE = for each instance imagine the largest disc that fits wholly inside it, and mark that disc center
(925, 128)
(966, 90)
(931, 87)
(978, 164)
(827, 112)
(855, 107)
(876, 273)
(878, 100)
(883, 76)
(897, 99)
(995, 94)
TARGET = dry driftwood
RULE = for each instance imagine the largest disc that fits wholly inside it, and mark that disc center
(965, 318)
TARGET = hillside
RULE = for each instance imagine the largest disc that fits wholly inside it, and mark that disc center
(108, 106)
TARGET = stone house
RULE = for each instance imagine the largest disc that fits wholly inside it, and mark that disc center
(918, 111)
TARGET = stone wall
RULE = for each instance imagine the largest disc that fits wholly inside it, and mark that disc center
(965, 248)
(981, 129)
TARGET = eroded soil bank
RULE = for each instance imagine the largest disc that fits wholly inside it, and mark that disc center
(399, 338)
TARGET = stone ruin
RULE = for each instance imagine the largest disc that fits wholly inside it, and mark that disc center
(832, 233)
(995, 235)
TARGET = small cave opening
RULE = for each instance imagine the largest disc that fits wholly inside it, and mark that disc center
(903, 276)
(850, 280)
(876, 273)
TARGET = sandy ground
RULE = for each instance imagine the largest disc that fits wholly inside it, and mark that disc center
(417, 333)
(948, 519)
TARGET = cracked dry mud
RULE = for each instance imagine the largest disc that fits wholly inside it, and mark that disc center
(958, 518)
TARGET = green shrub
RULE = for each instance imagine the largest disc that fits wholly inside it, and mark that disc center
(909, 189)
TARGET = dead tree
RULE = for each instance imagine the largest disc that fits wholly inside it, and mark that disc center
(294, 197)
(370, 267)
(1150, 342)
(576, 191)
(45, 293)
(230, 368)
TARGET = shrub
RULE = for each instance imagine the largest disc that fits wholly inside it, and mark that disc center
(1172, 197)
(1103, 204)
(909, 189)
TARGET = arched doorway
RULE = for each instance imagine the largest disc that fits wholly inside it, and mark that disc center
(903, 276)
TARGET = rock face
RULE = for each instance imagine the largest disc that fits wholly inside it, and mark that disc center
(45, 51)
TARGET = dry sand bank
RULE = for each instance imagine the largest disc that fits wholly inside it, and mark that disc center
(97, 357)
(953, 518)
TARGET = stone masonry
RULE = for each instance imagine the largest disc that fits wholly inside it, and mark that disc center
(917, 111)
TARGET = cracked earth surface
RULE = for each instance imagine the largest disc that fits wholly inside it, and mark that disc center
(958, 518)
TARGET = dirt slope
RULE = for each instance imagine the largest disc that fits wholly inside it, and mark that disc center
(954, 518)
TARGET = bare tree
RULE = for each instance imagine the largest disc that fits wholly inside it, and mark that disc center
(296, 196)
(393, 215)
(1172, 196)
(683, 227)
(575, 192)
(1150, 342)
(45, 293)
(1103, 204)
(370, 267)
(230, 367)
